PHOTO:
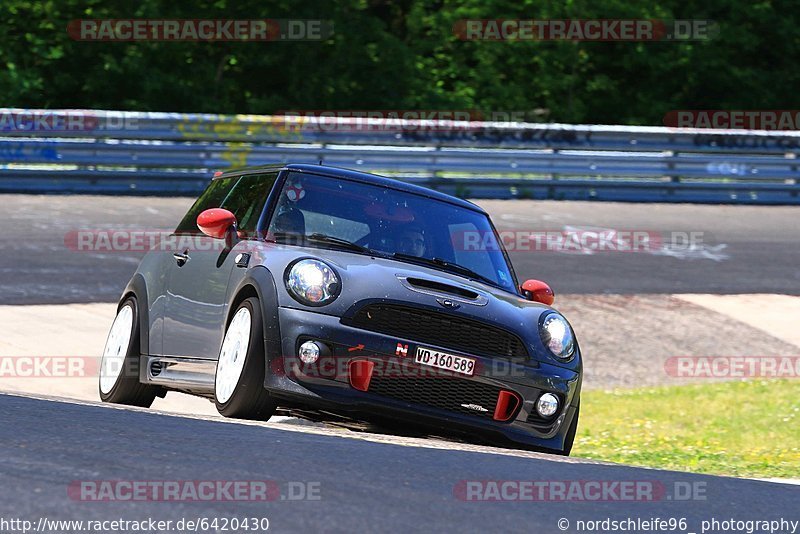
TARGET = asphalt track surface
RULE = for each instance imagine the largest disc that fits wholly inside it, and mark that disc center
(362, 486)
(741, 249)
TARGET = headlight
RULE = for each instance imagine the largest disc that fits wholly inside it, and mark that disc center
(313, 282)
(557, 336)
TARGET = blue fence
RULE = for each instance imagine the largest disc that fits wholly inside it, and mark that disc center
(167, 153)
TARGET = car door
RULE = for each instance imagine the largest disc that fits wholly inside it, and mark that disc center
(198, 282)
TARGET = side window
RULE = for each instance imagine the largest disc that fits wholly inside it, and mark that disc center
(212, 197)
(247, 200)
(244, 197)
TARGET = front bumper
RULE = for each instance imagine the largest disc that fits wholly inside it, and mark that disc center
(414, 394)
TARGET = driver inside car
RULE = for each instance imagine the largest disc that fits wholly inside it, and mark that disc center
(412, 241)
(290, 221)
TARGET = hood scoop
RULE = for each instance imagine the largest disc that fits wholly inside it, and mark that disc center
(440, 289)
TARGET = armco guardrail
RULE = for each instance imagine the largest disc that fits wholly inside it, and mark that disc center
(170, 153)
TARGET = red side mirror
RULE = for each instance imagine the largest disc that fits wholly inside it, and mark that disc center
(538, 291)
(216, 222)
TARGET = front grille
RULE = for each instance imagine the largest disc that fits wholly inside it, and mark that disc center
(439, 328)
(445, 393)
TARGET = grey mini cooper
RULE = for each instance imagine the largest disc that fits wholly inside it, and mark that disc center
(338, 295)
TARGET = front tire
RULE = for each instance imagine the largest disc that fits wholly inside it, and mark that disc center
(239, 381)
(119, 366)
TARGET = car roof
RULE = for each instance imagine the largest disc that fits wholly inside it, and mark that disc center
(355, 176)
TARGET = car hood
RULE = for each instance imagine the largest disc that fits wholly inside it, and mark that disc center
(375, 279)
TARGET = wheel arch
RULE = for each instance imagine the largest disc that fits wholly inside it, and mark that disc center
(259, 283)
(243, 293)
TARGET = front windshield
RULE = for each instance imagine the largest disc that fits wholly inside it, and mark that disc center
(390, 222)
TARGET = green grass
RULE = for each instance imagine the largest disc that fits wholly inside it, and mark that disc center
(747, 428)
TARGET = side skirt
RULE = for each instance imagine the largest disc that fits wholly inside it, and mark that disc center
(190, 375)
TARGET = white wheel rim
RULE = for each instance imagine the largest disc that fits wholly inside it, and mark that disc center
(233, 355)
(116, 349)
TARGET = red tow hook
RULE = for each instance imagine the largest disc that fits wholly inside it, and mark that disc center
(507, 404)
(361, 374)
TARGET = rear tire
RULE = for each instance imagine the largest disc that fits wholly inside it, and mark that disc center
(239, 380)
(119, 366)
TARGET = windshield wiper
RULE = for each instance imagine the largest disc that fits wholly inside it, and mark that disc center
(339, 242)
(447, 266)
(296, 238)
(283, 237)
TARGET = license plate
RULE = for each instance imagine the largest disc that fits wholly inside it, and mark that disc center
(448, 362)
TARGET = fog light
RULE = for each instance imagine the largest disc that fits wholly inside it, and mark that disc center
(547, 405)
(309, 352)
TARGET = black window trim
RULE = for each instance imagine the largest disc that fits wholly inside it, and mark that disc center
(279, 180)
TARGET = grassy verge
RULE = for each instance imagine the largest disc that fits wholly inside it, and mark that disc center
(748, 428)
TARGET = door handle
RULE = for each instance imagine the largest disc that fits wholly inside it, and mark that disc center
(181, 257)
